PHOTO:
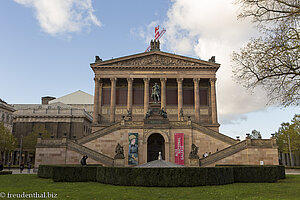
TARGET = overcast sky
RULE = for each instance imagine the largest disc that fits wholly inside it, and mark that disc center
(46, 47)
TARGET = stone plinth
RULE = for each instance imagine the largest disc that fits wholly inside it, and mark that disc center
(194, 162)
(119, 162)
(156, 119)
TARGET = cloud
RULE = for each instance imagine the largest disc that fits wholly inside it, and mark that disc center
(58, 17)
(210, 27)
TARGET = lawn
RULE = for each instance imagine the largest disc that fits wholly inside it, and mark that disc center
(288, 188)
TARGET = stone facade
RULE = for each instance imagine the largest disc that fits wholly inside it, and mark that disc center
(58, 119)
(6, 112)
(125, 114)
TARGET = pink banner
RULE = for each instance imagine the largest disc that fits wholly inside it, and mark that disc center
(179, 148)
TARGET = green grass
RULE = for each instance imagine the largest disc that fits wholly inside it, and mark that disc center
(288, 188)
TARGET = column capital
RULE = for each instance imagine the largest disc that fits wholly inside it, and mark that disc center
(212, 80)
(196, 80)
(179, 80)
(129, 79)
(96, 79)
(113, 79)
(146, 80)
(163, 79)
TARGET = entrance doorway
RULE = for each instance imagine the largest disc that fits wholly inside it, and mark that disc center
(155, 144)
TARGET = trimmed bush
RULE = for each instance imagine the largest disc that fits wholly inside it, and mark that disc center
(74, 173)
(257, 173)
(165, 177)
(46, 171)
(5, 172)
(281, 172)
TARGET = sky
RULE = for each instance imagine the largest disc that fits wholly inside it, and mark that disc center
(46, 48)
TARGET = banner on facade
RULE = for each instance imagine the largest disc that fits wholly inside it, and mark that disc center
(133, 149)
(179, 148)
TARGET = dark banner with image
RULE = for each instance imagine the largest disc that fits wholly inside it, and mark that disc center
(133, 149)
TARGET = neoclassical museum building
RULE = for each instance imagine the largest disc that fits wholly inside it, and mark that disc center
(155, 102)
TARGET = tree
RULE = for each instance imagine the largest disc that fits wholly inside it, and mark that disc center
(7, 141)
(255, 134)
(289, 133)
(272, 61)
(29, 141)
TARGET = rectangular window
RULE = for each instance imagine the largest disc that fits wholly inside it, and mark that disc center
(121, 96)
(138, 96)
(106, 96)
(188, 96)
(172, 96)
(204, 96)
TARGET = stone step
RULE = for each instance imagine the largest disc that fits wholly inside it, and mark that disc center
(223, 153)
(99, 133)
(102, 158)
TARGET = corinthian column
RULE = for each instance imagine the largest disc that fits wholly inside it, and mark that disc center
(180, 100)
(96, 102)
(197, 99)
(129, 94)
(213, 100)
(163, 93)
(146, 95)
(100, 100)
(112, 99)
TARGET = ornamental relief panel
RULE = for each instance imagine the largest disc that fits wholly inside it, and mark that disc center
(154, 60)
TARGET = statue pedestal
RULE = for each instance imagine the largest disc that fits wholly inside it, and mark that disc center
(156, 119)
(119, 162)
(194, 162)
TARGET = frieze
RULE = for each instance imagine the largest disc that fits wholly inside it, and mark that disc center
(155, 60)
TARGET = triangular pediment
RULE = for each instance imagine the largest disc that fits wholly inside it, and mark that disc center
(155, 58)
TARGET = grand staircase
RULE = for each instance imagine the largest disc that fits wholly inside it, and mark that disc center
(223, 153)
(99, 133)
(214, 134)
(104, 159)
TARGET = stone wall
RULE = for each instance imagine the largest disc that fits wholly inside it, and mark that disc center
(56, 152)
(51, 151)
(251, 156)
(107, 143)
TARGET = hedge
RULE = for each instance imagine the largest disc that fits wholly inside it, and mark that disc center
(162, 177)
(46, 171)
(281, 172)
(257, 173)
(5, 172)
(74, 173)
(165, 177)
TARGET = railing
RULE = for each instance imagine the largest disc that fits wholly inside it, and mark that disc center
(99, 133)
(51, 142)
(223, 153)
(261, 143)
(104, 159)
(214, 134)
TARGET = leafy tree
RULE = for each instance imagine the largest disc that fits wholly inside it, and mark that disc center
(7, 141)
(272, 61)
(29, 141)
(255, 134)
(289, 132)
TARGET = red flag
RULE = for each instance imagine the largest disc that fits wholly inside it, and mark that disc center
(157, 32)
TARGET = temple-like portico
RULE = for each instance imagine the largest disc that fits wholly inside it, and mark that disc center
(124, 84)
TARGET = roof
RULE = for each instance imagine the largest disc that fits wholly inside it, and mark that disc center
(155, 59)
(6, 106)
(78, 97)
